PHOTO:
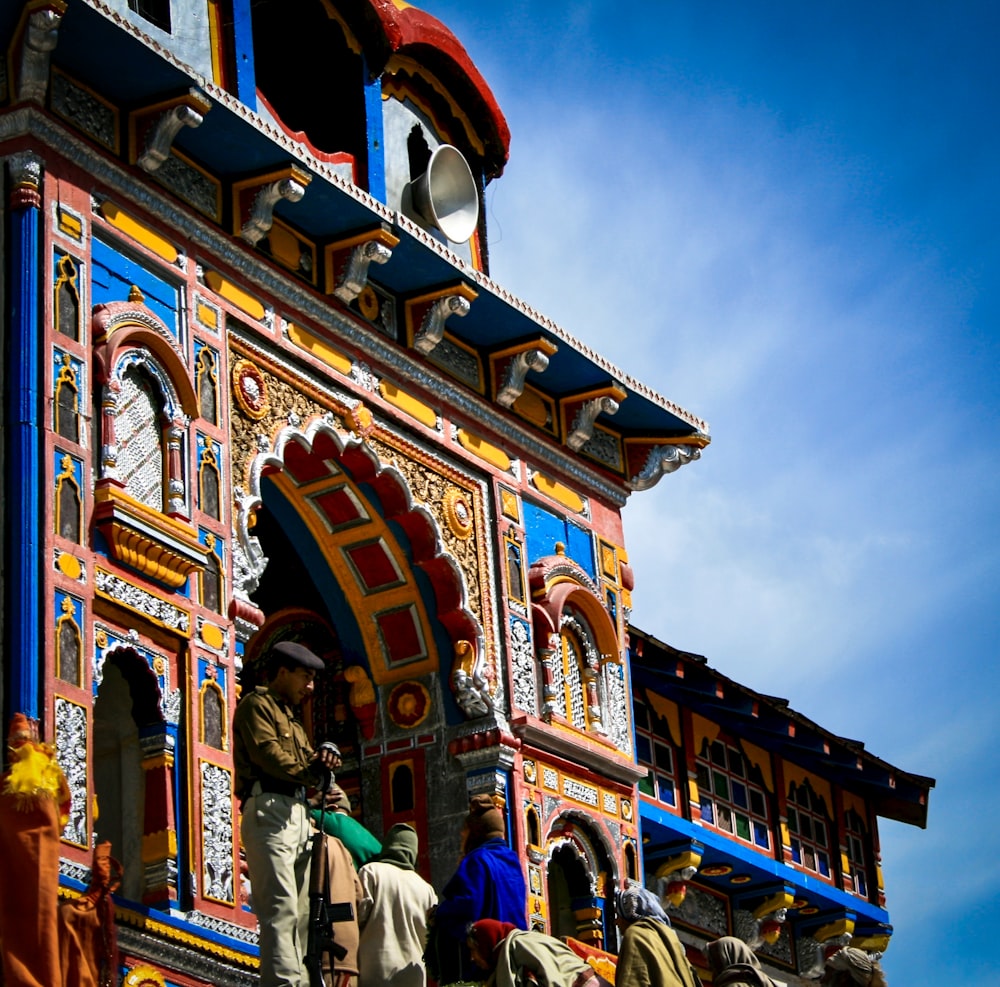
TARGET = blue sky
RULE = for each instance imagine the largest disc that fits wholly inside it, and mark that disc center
(784, 217)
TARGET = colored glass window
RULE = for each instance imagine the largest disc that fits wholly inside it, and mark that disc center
(731, 793)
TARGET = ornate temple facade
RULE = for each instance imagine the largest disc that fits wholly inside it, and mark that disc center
(259, 385)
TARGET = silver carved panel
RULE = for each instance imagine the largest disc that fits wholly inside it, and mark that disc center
(217, 832)
(525, 687)
(71, 753)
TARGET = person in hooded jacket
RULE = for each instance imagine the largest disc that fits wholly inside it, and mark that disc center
(850, 967)
(734, 964)
(489, 883)
(393, 914)
(651, 955)
(511, 957)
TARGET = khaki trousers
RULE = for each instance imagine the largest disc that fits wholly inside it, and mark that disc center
(276, 835)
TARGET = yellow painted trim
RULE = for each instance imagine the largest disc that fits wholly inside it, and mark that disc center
(207, 315)
(762, 759)
(855, 802)
(687, 859)
(510, 504)
(70, 224)
(693, 794)
(237, 296)
(319, 349)
(484, 450)
(667, 710)
(872, 944)
(156, 846)
(842, 927)
(69, 565)
(140, 921)
(780, 900)
(213, 636)
(558, 492)
(532, 407)
(408, 404)
(541, 343)
(793, 773)
(158, 761)
(140, 232)
(703, 730)
(401, 91)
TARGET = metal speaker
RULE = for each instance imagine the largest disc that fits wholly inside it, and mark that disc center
(446, 195)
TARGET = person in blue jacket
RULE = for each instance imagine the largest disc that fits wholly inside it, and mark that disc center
(489, 883)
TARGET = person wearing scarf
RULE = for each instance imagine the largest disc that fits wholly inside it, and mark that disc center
(393, 914)
(507, 954)
(849, 967)
(651, 955)
(734, 964)
(488, 883)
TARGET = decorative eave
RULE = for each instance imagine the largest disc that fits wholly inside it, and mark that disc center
(160, 547)
(769, 722)
(231, 170)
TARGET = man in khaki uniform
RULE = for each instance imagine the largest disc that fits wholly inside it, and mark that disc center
(275, 769)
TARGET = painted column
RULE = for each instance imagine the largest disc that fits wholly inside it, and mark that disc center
(24, 467)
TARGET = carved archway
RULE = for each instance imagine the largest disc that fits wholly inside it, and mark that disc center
(336, 482)
(581, 876)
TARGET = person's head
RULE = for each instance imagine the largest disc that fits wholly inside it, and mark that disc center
(850, 967)
(484, 939)
(633, 903)
(400, 847)
(484, 822)
(291, 668)
(730, 951)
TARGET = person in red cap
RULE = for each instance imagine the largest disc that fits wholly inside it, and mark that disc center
(511, 956)
(275, 770)
(34, 807)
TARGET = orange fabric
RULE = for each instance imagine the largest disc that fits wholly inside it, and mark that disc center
(29, 849)
(87, 937)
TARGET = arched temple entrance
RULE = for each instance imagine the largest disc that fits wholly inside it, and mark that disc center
(581, 879)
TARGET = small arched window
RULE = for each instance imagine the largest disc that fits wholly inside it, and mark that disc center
(69, 644)
(402, 788)
(67, 403)
(69, 504)
(209, 482)
(213, 718)
(67, 292)
(139, 437)
(206, 381)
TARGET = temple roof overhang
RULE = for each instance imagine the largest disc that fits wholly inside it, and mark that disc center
(770, 723)
(613, 424)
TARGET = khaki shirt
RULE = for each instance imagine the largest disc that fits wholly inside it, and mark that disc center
(269, 743)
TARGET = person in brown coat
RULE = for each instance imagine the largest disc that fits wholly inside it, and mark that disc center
(343, 887)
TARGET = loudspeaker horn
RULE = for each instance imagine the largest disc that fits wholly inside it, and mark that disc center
(445, 195)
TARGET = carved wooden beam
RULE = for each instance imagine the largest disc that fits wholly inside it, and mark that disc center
(158, 125)
(255, 198)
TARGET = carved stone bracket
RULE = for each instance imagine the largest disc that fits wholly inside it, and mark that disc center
(187, 111)
(348, 261)
(512, 371)
(38, 41)
(256, 199)
(663, 459)
(606, 401)
(431, 330)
